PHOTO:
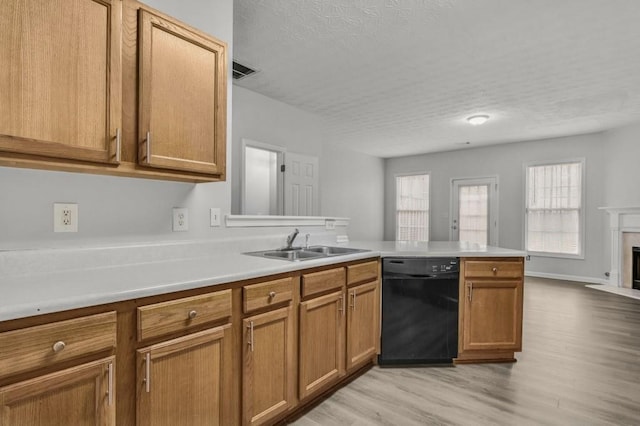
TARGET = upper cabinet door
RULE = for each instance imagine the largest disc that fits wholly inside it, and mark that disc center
(60, 78)
(182, 97)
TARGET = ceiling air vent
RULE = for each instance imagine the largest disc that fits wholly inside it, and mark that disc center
(241, 71)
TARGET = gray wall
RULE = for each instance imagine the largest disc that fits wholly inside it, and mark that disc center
(350, 183)
(507, 163)
(115, 208)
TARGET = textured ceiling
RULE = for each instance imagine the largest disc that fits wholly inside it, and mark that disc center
(399, 77)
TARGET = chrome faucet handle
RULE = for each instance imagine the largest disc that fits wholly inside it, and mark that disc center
(291, 237)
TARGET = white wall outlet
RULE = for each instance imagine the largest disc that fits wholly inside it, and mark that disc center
(65, 217)
(215, 216)
(329, 224)
(180, 219)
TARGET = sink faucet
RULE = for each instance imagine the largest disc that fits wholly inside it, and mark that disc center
(291, 237)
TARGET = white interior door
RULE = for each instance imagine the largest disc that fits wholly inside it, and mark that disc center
(301, 183)
(474, 210)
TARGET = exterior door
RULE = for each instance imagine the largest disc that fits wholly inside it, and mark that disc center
(474, 211)
(301, 183)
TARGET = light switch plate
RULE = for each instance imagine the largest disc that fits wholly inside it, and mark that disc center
(215, 216)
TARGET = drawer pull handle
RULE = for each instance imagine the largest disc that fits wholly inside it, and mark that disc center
(495, 270)
(193, 314)
(147, 372)
(272, 294)
(59, 346)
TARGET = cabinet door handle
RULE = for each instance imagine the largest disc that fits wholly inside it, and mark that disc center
(118, 144)
(147, 372)
(470, 291)
(59, 346)
(353, 296)
(148, 140)
(341, 307)
(250, 326)
(110, 388)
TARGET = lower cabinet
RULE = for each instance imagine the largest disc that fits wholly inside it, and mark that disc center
(491, 298)
(268, 365)
(363, 325)
(185, 380)
(80, 395)
(322, 341)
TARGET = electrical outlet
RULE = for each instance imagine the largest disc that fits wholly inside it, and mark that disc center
(65, 217)
(215, 216)
(329, 224)
(180, 219)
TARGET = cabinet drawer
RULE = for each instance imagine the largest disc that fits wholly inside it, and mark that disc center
(44, 345)
(269, 293)
(317, 282)
(182, 314)
(362, 272)
(492, 269)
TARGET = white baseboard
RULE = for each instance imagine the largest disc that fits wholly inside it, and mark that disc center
(590, 280)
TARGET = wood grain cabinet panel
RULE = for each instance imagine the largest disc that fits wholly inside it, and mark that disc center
(493, 315)
(363, 327)
(267, 294)
(185, 381)
(490, 319)
(182, 97)
(44, 345)
(81, 396)
(182, 314)
(322, 341)
(361, 272)
(268, 366)
(60, 78)
(319, 282)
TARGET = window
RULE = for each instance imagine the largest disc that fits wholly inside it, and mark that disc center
(412, 208)
(554, 208)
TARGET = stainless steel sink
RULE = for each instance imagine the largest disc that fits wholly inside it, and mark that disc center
(333, 251)
(291, 255)
(298, 254)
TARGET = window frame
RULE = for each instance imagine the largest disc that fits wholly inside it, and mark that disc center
(395, 198)
(581, 213)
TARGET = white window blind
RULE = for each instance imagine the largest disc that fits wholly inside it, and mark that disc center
(473, 202)
(412, 208)
(554, 208)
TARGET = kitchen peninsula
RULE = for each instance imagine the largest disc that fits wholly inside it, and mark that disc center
(131, 327)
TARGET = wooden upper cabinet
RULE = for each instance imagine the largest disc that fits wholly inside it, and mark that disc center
(182, 97)
(60, 78)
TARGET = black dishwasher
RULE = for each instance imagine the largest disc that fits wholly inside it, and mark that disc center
(419, 310)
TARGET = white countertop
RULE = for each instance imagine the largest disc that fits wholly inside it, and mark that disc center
(26, 293)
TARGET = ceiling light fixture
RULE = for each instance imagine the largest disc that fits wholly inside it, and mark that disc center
(477, 120)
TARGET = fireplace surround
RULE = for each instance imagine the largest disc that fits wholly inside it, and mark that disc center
(624, 226)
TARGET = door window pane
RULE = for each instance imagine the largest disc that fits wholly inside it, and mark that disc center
(473, 202)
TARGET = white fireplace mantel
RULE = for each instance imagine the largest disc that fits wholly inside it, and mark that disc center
(621, 220)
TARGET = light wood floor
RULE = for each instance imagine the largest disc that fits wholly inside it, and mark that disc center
(580, 365)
